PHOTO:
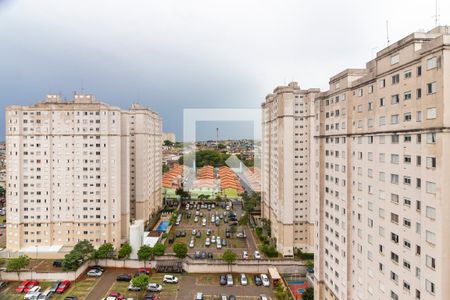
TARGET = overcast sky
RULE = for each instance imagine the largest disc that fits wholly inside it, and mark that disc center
(171, 55)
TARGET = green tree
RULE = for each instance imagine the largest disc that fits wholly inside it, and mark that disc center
(125, 251)
(72, 260)
(141, 281)
(229, 257)
(165, 168)
(180, 250)
(309, 294)
(2, 191)
(159, 249)
(145, 253)
(309, 264)
(105, 251)
(168, 143)
(17, 264)
(221, 146)
(85, 248)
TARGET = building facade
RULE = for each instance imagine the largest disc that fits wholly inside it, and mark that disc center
(71, 172)
(169, 136)
(285, 164)
(376, 165)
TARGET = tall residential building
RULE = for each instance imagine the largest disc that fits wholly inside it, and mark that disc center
(79, 169)
(286, 155)
(378, 174)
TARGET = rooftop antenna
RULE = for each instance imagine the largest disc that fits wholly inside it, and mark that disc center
(436, 15)
(387, 31)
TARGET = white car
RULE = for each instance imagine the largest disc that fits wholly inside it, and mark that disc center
(196, 219)
(263, 297)
(194, 231)
(213, 239)
(94, 273)
(170, 279)
(219, 245)
(245, 255)
(207, 242)
(133, 288)
(257, 255)
(34, 291)
(154, 287)
(191, 244)
(265, 280)
(204, 222)
(244, 280)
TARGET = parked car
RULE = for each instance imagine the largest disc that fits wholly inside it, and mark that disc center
(199, 296)
(241, 235)
(98, 268)
(171, 240)
(245, 254)
(203, 255)
(45, 295)
(199, 234)
(57, 263)
(207, 242)
(30, 285)
(224, 242)
(63, 286)
(191, 244)
(213, 239)
(31, 292)
(223, 280)
(170, 279)
(150, 296)
(197, 254)
(230, 280)
(203, 222)
(117, 296)
(194, 231)
(133, 288)
(3, 284)
(265, 280)
(257, 254)
(94, 273)
(257, 280)
(232, 297)
(263, 297)
(244, 280)
(223, 297)
(227, 234)
(124, 277)
(210, 255)
(154, 287)
(55, 286)
(144, 270)
(178, 234)
(183, 233)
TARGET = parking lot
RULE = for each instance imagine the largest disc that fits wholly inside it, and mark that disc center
(208, 223)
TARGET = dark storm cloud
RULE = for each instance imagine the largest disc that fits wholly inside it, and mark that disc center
(172, 55)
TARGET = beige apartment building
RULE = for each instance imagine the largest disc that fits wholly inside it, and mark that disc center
(79, 169)
(286, 155)
(379, 165)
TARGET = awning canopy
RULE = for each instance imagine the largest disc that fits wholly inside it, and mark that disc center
(274, 273)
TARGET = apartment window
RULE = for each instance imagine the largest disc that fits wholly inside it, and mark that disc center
(394, 238)
(431, 63)
(431, 162)
(382, 83)
(394, 277)
(394, 198)
(431, 138)
(395, 99)
(382, 102)
(408, 74)
(394, 257)
(394, 178)
(407, 222)
(395, 79)
(431, 87)
(407, 117)
(431, 113)
(394, 119)
(407, 159)
(419, 116)
(406, 180)
(431, 187)
(430, 237)
(382, 121)
(419, 93)
(394, 218)
(418, 160)
(394, 158)
(370, 107)
(430, 286)
(407, 95)
(419, 71)
(395, 139)
(431, 212)
(395, 59)
(431, 262)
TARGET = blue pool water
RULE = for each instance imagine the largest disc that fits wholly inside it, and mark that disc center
(296, 282)
(162, 227)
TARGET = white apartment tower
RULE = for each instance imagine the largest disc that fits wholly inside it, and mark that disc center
(377, 162)
(71, 171)
(286, 155)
